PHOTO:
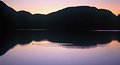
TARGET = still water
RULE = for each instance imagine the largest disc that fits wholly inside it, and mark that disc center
(41, 48)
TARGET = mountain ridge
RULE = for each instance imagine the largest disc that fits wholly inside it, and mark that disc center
(58, 10)
(70, 18)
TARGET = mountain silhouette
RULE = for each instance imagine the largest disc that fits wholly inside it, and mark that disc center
(82, 18)
(119, 21)
(69, 19)
(7, 15)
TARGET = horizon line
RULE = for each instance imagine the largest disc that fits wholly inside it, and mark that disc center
(63, 9)
(57, 10)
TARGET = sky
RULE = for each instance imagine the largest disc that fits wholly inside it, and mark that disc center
(48, 6)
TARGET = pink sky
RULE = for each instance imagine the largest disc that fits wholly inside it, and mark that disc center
(48, 6)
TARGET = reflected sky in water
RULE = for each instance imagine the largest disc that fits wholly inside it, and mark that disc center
(45, 52)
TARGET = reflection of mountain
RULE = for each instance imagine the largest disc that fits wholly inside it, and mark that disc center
(83, 39)
(71, 18)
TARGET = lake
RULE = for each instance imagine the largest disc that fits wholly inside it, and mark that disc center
(59, 48)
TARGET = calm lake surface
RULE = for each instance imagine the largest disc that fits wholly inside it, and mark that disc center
(48, 48)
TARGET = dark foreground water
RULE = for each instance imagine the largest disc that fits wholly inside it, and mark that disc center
(58, 48)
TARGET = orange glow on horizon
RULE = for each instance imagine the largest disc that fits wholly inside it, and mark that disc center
(48, 6)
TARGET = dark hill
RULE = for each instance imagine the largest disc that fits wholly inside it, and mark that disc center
(71, 18)
(11, 19)
(119, 20)
(82, 18)
(7, 15)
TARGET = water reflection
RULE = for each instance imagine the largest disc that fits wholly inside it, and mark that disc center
(46, 43)
(57, 54)
(65, 39)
